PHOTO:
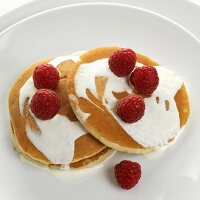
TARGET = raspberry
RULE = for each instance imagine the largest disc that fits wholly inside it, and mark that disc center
(46, 76)
(131, 108)
(127, 173)
(45, 104)
(122, 62)
(145, 80)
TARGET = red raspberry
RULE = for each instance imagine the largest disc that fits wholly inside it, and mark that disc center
(46, 76)
(127, 173)
(122, 62)
(145, 80)
(45, 104)
(131, 108)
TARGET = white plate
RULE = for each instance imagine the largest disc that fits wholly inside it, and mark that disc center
(174, 174)
(184, 12)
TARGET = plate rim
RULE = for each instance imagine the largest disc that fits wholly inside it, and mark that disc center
(182, 28)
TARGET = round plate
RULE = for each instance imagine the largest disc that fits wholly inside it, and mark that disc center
(172, 174)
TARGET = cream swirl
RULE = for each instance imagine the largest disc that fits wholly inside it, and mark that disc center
(159, 124)
(58, 134)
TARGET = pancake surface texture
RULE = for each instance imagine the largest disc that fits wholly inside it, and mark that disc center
(94, 92)
(60, 142)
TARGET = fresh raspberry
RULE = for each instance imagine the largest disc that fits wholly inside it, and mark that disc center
(45, 104)
(46, 76)
(122, 62)
(131, 108)
(127, 173)
(145, 80)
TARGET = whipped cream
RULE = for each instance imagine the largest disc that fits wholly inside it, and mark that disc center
(58, 135)
(158, 124)
(74, 57)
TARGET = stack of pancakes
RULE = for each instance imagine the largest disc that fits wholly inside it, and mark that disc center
(103, 133)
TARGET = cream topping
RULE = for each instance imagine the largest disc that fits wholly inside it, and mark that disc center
(158, 124)
(58, 135)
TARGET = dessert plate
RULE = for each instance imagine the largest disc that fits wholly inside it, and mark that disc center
(170, 174)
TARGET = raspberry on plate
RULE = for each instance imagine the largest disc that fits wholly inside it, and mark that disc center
(45, 104)
(122, 62)
(145, 80)
(127, 173)
(46, 76)
(131, 108)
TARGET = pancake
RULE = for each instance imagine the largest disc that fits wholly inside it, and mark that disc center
(88, 151)
(104, 124)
